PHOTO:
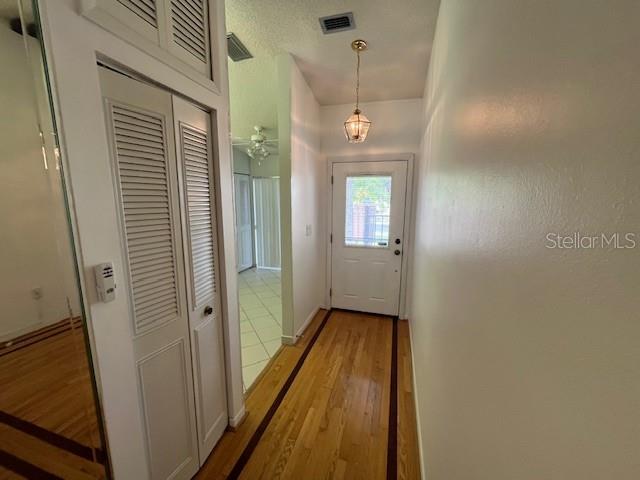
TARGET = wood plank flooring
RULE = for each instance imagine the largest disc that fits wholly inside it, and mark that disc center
(46, 404)
(260, 397)
(333, 421)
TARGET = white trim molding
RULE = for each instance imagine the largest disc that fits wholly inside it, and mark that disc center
(287, 340)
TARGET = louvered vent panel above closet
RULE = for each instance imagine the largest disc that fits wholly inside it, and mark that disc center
(145, 9)
(190, 27)
(142, 172)
(197, 177)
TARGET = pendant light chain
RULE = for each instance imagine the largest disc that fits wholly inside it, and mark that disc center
(358, 80)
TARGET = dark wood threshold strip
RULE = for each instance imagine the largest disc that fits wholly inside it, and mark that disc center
(392, 442)
(53, 438)
(24, 469)
(257, 435)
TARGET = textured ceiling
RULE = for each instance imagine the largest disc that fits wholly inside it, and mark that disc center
(399, 33)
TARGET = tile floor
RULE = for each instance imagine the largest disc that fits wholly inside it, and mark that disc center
(260, 320)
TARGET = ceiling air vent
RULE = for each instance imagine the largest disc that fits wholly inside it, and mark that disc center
(337, 23)
(236, 49)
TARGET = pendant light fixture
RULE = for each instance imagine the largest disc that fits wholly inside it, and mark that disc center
(357, 125)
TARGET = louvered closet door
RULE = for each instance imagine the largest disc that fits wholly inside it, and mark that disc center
(195, 160)
(188, 33)
(141, 135)
(145, 17)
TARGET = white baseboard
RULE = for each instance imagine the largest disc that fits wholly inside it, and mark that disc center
(423, 473)
(236, 420)
(288, 340)
(306, 323)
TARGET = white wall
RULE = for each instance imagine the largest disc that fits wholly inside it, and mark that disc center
(308, 200)
(527, 361)
(35, 248)
(396, 127)
(303, 200)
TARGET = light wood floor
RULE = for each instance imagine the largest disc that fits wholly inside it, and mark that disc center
(48, 385)
(331, 424)
(333, 421)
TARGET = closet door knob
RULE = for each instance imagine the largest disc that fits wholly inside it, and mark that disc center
(208, 310)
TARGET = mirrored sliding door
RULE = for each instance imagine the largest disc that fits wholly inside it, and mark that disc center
(49, 418)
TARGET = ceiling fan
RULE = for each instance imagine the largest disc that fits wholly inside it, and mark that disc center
(258, 147)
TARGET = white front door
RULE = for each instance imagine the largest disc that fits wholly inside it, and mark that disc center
(368, 235)
(244, 227)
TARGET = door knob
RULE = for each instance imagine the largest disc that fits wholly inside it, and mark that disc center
(397, 241)
(208, 310)
(396, 252)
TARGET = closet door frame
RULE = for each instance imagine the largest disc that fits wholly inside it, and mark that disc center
(73, 46)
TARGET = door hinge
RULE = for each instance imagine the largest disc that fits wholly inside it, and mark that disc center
(330, 293)
(331, 179)
(331, 238)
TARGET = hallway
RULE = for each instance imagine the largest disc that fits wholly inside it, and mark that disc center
(320, 240)
(333, 421)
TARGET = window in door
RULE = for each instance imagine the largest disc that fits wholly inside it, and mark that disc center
(367, 209)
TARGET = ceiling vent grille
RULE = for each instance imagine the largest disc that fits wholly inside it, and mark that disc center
(337, 23)
(236, 49)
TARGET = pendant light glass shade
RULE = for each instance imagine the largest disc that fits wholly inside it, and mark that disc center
(356, 127)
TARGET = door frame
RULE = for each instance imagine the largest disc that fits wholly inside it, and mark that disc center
(408, 219)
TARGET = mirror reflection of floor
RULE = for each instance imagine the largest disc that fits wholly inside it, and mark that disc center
(260, 320)
(47, 416)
